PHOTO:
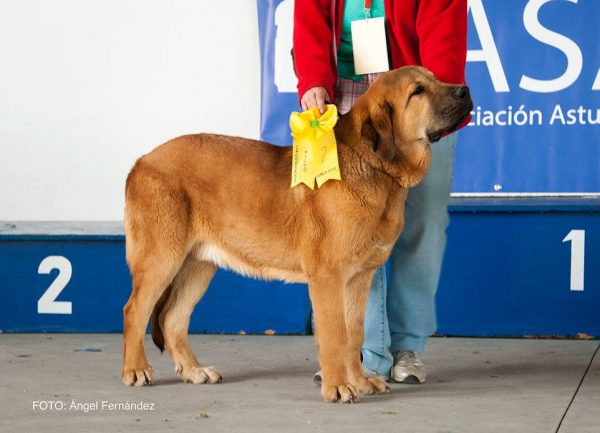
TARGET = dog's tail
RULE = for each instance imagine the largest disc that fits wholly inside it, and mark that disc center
(157, 333)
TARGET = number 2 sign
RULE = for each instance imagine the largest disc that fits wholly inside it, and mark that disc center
(48, 304)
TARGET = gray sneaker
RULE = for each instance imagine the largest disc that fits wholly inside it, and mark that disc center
(368, 372)
(408, 367)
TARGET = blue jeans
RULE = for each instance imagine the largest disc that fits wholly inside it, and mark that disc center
(401, 315)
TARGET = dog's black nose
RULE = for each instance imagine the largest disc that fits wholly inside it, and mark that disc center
(462, 92)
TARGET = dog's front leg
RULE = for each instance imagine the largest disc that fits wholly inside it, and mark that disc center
(326, 293)
(355, 303)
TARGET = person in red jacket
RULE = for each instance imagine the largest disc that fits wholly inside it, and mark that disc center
(431, 33)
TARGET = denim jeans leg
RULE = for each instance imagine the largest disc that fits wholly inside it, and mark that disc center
(416, 260)
(375, 350)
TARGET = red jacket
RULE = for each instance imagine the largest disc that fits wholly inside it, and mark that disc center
(429, 33)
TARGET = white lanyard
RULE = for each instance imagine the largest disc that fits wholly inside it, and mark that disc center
(367, 9)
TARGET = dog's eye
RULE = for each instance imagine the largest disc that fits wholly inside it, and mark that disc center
(418, 90)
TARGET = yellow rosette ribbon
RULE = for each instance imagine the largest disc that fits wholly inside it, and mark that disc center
(314, 149)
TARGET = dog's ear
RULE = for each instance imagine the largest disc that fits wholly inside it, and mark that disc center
(379, 129)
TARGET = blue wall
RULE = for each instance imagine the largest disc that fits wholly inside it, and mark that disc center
(506, 273)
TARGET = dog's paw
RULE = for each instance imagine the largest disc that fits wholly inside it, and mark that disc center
(199, 375)
(372, 385)
(138, 376)
(345, 393)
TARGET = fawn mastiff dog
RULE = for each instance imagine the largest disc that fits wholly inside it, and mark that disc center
(204, 201)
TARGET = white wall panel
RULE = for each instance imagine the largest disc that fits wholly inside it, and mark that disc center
(87, 86)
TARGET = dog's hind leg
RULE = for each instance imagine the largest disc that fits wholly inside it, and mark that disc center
(148, 286)
(188, 287)
(355, 304)
(157, 231)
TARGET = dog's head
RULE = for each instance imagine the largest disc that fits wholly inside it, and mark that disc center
(407, 109)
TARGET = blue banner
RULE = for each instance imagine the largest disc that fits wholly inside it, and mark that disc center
(534, 71)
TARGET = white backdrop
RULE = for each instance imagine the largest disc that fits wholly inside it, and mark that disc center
(87, 86)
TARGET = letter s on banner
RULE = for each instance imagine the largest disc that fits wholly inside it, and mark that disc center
(556, 40)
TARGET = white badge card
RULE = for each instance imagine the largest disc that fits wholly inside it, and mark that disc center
(369, 46)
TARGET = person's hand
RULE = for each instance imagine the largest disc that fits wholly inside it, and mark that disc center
(315, 97)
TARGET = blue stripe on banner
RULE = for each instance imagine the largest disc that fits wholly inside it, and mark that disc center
(279, 94)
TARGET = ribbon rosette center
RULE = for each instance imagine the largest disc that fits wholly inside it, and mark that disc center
(311, 124)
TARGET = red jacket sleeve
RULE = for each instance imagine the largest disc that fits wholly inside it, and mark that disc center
(313, 41)
(441, 26)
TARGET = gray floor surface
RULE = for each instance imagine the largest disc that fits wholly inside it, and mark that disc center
(71, 382)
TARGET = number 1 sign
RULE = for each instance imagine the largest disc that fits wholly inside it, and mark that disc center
(577, 239)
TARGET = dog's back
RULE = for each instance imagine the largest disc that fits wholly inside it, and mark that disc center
(241, 188)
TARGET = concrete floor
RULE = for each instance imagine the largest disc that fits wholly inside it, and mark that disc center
(473, 385)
